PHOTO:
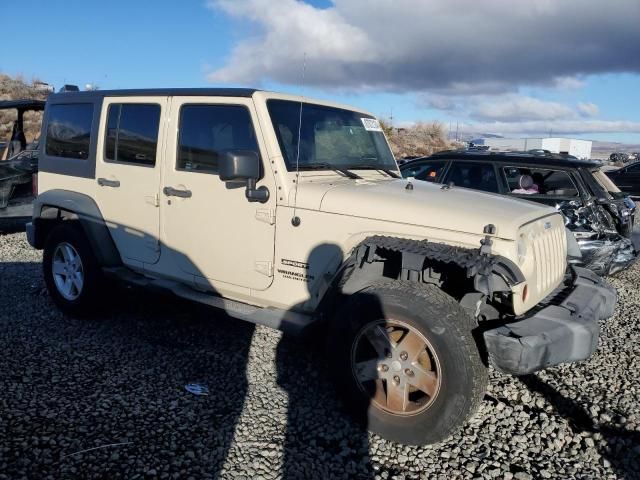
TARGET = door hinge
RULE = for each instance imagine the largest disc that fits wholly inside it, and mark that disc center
(267, 215)
(265, 268)
(152, 200)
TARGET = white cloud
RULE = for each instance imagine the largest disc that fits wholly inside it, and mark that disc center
(568, 83)
(511, 108)
(438, 102)
(440, 46)
(558, 127)
(588, 109)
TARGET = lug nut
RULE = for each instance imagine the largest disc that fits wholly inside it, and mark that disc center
(408, 372)
(396, 379)
(383, 367)
(403, 356)
(389, 354)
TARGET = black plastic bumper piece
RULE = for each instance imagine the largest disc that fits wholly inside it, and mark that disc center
(558, 333)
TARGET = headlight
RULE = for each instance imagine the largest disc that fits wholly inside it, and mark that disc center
(521, 247)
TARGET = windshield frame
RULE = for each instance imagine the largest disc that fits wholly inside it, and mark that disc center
(377, 139)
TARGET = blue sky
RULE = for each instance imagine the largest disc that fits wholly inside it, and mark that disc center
(420, 60)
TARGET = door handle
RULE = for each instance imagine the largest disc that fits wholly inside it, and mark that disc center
(103, 182)
(175, 192)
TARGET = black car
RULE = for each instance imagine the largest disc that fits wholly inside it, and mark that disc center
(596, 212)
(627, 179)
(18, 164)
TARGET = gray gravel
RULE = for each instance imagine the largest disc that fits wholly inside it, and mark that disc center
(117, 382)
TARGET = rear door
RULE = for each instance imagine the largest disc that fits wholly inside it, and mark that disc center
(128, 164)
(550, 185)
(476, 175)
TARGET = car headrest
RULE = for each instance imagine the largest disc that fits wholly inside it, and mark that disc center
(525, 182)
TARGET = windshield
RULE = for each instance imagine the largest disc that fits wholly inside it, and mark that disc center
(330, 138)
(605, 182)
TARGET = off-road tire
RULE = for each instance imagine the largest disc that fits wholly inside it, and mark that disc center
(446, 326)
(71, 233)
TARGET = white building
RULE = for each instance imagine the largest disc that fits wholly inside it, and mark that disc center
(572, 146)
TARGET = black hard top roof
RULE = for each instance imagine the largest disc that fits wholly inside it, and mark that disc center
(527, 158)
(25, 104)
(161, 92)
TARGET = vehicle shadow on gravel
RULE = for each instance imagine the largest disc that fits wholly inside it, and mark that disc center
(619, 441)
(322, 440)
(105, 398)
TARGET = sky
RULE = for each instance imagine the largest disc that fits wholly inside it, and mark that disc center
(512, 68)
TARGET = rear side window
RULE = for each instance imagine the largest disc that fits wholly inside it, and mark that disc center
(132, 133)
(479, 176)
(206, 131)
(69, 130)
(540, 181)
(429, 171)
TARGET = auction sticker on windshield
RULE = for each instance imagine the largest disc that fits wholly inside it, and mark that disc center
(371, 124)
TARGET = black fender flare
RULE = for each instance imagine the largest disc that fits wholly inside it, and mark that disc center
(49, 206)
(491, 273)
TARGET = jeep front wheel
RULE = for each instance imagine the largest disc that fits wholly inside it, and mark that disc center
(70, 269)
(406, 361)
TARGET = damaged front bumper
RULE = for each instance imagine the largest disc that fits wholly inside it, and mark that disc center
(562, 332)
(608, 256)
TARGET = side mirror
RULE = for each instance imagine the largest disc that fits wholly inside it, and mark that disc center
(243, 166)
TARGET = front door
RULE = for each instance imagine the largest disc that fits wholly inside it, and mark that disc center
(209, 227)
(128, 164)
(629, 180)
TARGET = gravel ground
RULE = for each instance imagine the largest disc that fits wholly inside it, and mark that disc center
(116, 385)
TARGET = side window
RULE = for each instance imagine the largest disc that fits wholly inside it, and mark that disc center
(207, 130)
(540, 181)
(633, 168)
(69, 130)
(480, 176)
(132, 133)
(429, 171)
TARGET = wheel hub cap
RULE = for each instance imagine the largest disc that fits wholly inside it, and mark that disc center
(396, 366)
(68, 273)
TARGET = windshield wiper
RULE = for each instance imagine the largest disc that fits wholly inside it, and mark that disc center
(388, 171)
(391, 173)
(328, 166)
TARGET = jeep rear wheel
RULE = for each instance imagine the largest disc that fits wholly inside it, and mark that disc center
(71, 271)
(406, 361)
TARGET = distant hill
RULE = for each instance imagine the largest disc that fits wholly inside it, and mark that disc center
(15, 88)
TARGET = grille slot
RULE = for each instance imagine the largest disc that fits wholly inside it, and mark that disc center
(549, 246)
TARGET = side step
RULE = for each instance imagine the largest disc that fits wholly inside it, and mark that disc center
(285, 320)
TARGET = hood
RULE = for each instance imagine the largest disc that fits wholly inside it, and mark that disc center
(427, 204)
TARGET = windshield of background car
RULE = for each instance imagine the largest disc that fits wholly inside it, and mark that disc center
(605, 182)
(329, 137)
(428, 171)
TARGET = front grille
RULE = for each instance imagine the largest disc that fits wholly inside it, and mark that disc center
(550, 249)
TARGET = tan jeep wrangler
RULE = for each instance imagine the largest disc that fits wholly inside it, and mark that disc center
(287, 212)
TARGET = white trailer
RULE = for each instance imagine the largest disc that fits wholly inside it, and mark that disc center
(572, 146)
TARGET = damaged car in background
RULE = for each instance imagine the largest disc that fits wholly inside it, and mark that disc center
(599, 216)
(18, 164)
